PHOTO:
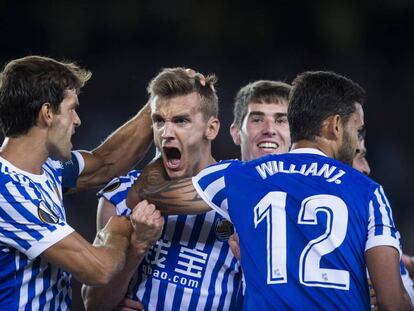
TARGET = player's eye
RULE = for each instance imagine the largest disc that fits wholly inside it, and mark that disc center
(282, 120)
(157, 121)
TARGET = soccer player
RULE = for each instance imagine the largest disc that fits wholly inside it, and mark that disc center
(38, 249)
(191, 266)
(309, 225)
(260, 125)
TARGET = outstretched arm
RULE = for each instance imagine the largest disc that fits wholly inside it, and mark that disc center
(118, 153)
(147, 224)
(169, 196)
(106, 255)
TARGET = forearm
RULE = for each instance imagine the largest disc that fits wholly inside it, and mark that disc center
(109, 296)
(76, 255)
(119, 153)
(169, 196)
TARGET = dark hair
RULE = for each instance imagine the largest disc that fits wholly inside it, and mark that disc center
(172, 82)
(262, 91)
(317, 95)
(29, 82)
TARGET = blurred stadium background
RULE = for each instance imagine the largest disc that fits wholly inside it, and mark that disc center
(125, 43)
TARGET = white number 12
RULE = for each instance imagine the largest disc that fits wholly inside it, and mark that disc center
(272, 207)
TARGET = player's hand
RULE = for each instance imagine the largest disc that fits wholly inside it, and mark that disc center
(372, 296)
(147, 223)
(234, 244)
(127, 304)
(193, 74)
(409, 264)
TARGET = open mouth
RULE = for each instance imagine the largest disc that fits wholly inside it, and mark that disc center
(268, 146)
(172, 157)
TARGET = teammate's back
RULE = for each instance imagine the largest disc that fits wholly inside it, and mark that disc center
(305, 221)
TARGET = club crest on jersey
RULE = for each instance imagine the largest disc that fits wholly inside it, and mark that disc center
(113, 185)
(223, 229)
(46, 214)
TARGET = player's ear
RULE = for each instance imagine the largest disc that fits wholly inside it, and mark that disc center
(333, 127)
(45, 116)
(213, 126)
(235, 133)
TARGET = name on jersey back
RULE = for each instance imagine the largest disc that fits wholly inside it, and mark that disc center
(329, 172)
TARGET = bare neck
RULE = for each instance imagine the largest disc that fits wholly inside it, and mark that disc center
(27, 152)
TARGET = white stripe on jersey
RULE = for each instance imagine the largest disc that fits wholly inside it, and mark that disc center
(211, 169)
(24, 289)
(205, 229)
(215, 187)
(187, 230)
(169, 297)
(219, 282)
(185, 303)
(154, 295)
(214, 255)
(385, 219)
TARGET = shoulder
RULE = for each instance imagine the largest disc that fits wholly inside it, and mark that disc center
(119, 185)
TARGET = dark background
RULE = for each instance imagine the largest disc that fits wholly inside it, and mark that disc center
(125, 44)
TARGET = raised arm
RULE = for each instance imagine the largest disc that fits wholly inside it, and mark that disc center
(148, 226)
(384, 271)
(118, 153)
(93, 264)
(175, 197)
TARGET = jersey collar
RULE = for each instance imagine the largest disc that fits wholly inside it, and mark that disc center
(308, 150)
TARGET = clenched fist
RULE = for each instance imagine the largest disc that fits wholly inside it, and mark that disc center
(147, 223)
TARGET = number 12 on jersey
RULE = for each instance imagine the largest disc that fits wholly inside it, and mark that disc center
(272, 208)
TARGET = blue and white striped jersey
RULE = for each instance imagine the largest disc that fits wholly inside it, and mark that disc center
(304, 221)
(32, 218)
(191, 264)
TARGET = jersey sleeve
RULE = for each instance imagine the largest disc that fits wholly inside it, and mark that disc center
(71, 170)
(116, 191)
(211, 186)
(27, 222)
(381, 227)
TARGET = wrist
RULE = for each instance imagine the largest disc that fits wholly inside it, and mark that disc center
(139, 246)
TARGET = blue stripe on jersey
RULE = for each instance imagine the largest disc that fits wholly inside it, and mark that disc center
(10, 296)
(46, 284)
(378, 217)
(219, 197)
(52, 202)
(119, 197)
(237, 295)
(208, 247)
(211, 289)
(32, 284)
(22, 242)
(24, 211)
(211, 174)
(179, 227)
(52, 173)
(389, 213)
(224, 283)
(23, 262)
(199, 220)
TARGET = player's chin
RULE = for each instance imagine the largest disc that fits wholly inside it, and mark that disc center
(174, 174)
